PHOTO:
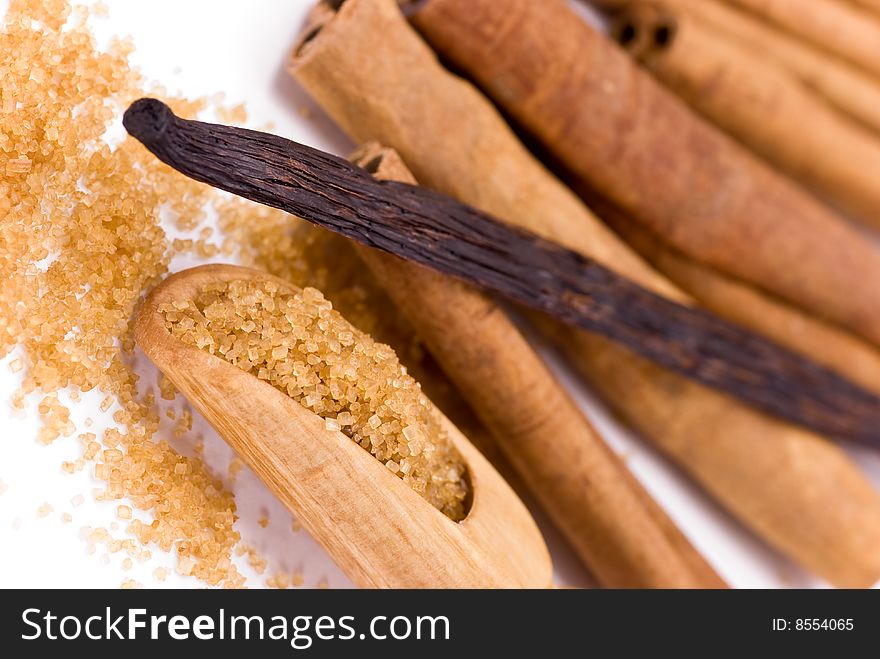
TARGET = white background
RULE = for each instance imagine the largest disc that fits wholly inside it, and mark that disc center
(199, 48)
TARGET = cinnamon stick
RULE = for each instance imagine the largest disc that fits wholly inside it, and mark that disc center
(761, 106)
(618, 129)
(849, 89)
(872, 5)
(379, 81)
(836, 27)
(624, 539)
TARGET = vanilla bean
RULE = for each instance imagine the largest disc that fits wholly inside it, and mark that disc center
(445, 235)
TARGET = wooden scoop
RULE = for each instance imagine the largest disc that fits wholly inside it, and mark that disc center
(379, 531)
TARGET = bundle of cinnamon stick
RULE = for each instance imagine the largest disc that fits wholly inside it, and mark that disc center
(797, 83)
(677, 200)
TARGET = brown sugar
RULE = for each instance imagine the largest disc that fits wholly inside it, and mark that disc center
(80, 242)
(44, 510)
(303, 347)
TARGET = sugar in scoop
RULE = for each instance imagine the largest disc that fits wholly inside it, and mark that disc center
(301, 346)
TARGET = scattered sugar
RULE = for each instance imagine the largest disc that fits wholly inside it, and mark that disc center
(234, 469)
(80, 242)
(184, 424)
(185, 566)
(44, 510)
(56, 420)
(254, 558)
(234, 115)
(332, 369)
(166, 389)
(279, 580)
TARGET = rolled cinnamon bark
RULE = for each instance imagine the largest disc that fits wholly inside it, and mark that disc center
(847, 88)
(836, 27)
(632, 140)
(746, 305)
(871, 5)
(583, 486)
(379, 81)
(761, 106)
